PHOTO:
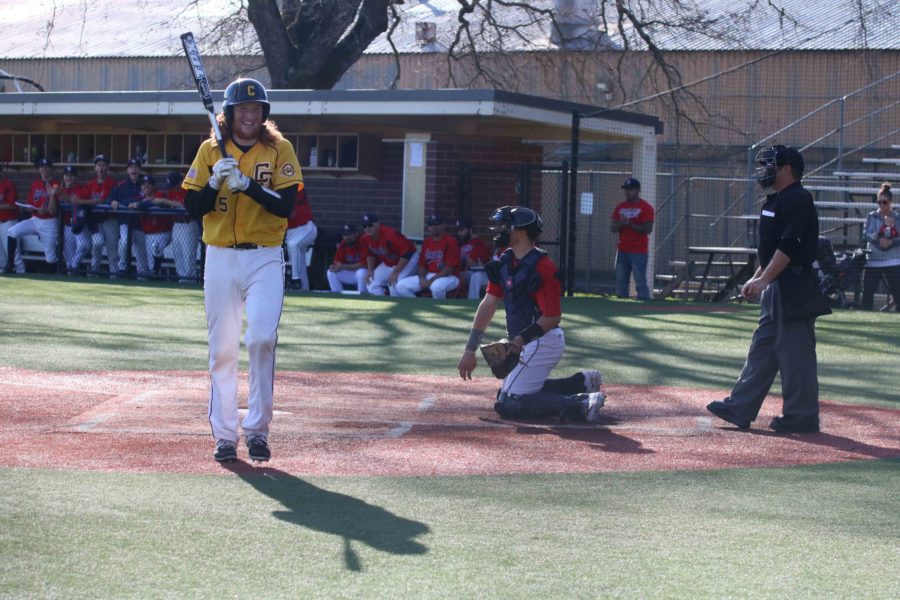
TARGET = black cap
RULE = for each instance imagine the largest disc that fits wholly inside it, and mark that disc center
(464, 223)
(369, 218)
(43, 162)
(631, 183)
(147, 179)
(70, 170)
(786, 155)
(101, 158)
(434, 219)
(132, 161)
(348, 229)
(173, 179)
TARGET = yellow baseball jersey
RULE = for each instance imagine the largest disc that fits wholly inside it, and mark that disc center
(237, 218)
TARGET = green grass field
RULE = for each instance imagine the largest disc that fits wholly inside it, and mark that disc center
(806, 532)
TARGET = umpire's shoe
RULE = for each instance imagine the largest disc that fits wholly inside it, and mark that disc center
(721, 410)
(789, 424)
(258, 448)
(226, 451)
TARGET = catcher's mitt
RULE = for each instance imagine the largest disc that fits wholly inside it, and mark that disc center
(501, 356)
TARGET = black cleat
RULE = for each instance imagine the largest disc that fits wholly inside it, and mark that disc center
(721, 410)
(788, 424)
(258, 448)
(226, 451)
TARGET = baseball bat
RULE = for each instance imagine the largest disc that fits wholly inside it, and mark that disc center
(196, 61)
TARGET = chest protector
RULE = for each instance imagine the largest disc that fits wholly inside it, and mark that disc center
(518, 283)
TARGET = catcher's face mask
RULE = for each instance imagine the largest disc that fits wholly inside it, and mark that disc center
(500, 226)
(767, 165)
(508, 218)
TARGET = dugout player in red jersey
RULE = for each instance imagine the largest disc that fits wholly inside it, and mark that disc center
(349, 265)
(99, 190)
(300, 235)
(474, 254)
(391, 256)
(76, 233)
(525, 279)
(9, 212)
(42, 207)
(438, 264)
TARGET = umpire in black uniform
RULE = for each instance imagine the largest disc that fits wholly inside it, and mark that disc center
(790, 299)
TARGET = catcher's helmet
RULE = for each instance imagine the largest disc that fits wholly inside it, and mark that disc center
(508, 218)
(771, 157)
(242, 91)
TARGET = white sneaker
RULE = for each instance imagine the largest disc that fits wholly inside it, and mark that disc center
(592, 381)
(595, 402)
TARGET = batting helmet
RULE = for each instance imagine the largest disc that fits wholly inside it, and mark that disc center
(508, 218)
(242, 91)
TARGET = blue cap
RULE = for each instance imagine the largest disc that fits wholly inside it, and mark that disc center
(147, 179)
(132, 161)
(631, 183)
(348, 229)
(434, 219)
(369, 218)
(173, 179)
(43, 162)
(464, 223)
(101, 158)
(70, 170)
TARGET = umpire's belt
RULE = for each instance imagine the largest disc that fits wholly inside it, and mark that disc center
(246, 246)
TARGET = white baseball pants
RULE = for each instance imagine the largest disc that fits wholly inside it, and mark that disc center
(297, 240)
(379, 281)
(235, 280)
(337, 280)
(47, 232)
(408, 287)
(539, 357)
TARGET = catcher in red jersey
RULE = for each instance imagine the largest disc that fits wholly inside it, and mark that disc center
(525, 279)
(245, 200)
(438, 264)
(349, 264)
(391, 256)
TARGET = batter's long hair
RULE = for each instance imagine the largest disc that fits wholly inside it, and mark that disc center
(270, 135)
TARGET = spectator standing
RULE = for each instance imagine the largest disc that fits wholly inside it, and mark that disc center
(632, 219)
(438, 266)
(474, 254)
(391, 256)
(300, 235)
(41, 203)
(349, 265)
(883, 246)
(9, 212)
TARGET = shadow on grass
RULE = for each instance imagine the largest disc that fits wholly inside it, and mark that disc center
(337, 514)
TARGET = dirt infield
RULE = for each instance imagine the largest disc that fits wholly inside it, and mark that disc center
(371, 424)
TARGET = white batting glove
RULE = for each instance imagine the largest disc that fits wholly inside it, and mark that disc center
(237, 181)
(221, 170)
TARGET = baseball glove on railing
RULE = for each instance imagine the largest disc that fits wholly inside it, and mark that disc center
(501, 356)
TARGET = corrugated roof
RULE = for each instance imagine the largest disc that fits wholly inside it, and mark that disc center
(145, 28)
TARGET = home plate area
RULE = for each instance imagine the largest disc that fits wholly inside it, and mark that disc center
(377, 424)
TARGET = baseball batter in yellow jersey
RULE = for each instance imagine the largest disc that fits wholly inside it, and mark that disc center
(244, 200)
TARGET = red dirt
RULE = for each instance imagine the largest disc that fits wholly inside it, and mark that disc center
(370, 424)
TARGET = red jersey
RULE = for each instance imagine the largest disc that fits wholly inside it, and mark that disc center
(100, 191)
(638, 212)
(302, 213)
(548, 292)
(177, 194)
(156, 223)
(390, 246)
(440, 253)
(39, 196)
(474, 252)
(8, 198)
(76, 191)
(351, 254)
